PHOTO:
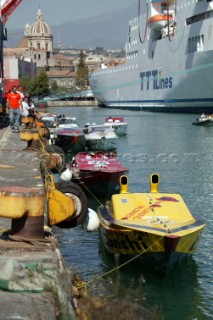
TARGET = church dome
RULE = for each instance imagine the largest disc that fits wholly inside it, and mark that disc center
(39, 27)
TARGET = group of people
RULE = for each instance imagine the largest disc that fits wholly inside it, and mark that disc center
(19, 105)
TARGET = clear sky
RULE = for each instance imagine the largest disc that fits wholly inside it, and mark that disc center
(58, 11)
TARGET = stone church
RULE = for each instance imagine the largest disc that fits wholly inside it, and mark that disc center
(39, 41)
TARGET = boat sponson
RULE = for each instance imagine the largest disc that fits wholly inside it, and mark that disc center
(135, 206)
(158, 212)
(163, 252)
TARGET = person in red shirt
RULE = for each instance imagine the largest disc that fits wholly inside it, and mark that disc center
(14, 104)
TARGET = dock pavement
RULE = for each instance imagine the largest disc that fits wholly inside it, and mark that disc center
(34, 281)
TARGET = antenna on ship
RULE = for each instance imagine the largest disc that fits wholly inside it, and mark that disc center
(59, 41)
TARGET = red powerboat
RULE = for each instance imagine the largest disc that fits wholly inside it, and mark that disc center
(97, 172)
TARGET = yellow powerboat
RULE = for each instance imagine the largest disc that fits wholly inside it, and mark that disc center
(157, 227)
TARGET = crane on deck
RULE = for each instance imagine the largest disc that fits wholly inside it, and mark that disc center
(7, 8)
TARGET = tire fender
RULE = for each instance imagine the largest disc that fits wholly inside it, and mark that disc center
(73, 191)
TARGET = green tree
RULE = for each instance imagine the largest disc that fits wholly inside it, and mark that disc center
(29, 85)
(42, 82)
(81, 79)
(54, 86)
(37, 86)
(34, 87)
(25, 83)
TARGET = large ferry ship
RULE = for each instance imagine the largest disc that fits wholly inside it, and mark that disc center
(169, 60)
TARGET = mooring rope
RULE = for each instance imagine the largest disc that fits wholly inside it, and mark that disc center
(125, 263)
(88, 190)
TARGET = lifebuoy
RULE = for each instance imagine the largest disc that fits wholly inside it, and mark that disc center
(73, 191)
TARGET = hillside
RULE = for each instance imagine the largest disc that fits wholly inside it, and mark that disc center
(106, 30)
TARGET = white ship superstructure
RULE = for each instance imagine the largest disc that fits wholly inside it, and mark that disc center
(169, 60)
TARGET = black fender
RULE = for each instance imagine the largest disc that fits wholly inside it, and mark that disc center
(74, 220)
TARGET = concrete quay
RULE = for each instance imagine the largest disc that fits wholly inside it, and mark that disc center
(34, 281)
(80, 103)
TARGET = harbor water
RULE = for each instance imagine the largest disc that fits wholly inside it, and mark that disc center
(182, 154)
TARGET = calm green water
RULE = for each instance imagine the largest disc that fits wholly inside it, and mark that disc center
(183, 156)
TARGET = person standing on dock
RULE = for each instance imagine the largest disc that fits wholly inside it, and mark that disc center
(20, 91)
(25, 107)
(14, 100)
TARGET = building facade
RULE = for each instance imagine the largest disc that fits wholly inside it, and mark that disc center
(39, 41)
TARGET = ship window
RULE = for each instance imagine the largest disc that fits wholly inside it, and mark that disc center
(202, 42)
(196, 44)
(189, 45)
(209, 32)
(199, 17)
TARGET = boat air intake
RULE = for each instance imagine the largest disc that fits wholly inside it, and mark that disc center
(154, 181)
(123, 184)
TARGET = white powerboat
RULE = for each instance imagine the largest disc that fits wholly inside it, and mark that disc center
(100, 137)
(119, 125)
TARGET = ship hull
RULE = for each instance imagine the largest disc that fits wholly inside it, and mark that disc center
(71, 144)
(171, 73)
(100, 183)
(191, 93)
(98, 173)
(159, 254)
(175, 109)
(101, 144)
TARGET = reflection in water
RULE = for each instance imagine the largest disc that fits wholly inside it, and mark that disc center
(179, 291)
(182, 154)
